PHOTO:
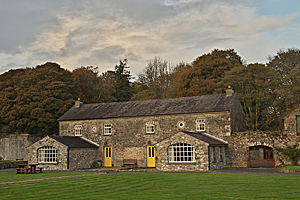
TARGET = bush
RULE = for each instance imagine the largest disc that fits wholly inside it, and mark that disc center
(292, 153)
(96, 163)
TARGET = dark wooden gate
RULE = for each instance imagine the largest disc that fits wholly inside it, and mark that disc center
(260, 157)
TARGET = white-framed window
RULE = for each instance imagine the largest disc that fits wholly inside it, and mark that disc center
(181, 153)
(150, 127)
(107, 129)
(47, 154)
(200, 124)
(78, 130)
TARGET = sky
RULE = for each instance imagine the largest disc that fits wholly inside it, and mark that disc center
(100, 33)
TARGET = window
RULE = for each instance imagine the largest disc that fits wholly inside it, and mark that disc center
(298, 124)
(149, 127)
(94, 128)
(181, 153)
(47, 155)
(200, 124)
(221, 153)
(107, 129)
(78, 130)
(180, 124)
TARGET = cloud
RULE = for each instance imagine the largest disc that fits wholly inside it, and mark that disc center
(100, 33)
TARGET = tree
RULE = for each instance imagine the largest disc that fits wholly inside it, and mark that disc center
(207, 70)
(157, 80)
(256, 85)
(120, 79)
(286, 64)
(33, 99)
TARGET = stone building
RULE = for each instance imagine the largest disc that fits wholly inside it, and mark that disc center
(188, 133)
(59, 153)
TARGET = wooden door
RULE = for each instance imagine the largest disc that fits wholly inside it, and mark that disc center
(150, 156)
(107, 156)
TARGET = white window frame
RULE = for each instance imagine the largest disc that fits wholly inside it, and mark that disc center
(47, 154)
(150, 127)
(107, 129)
(200, 124)
(78, 130)
(181, 153)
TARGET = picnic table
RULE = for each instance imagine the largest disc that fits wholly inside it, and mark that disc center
(22, 169)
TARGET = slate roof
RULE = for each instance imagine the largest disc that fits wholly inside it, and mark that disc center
(205, 138)
(184, 105)
(73, 142)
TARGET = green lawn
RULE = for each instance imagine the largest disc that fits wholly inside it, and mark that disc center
(291, 167)
(159, 186)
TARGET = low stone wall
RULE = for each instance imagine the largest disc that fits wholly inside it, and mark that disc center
(239, 143)
(11, 164)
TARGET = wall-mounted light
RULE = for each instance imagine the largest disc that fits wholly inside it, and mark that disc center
(105, 143)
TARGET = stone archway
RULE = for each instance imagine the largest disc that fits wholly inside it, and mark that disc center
(260, 156)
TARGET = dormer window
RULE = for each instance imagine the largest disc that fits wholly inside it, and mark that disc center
(200, 124)
(78, 130)
(149, 127)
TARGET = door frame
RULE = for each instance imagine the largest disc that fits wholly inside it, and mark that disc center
(152, 156)
(109, 153)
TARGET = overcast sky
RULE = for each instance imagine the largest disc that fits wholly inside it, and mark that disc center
(76, 33)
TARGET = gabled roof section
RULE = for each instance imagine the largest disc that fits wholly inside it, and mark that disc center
(74, 142)
(184, 105)
(207, 138)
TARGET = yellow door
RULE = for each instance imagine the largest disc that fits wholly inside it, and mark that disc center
(150, 156)
(107, 156)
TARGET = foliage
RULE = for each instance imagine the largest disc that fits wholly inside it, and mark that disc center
(120, 80)
(290, 152)
(155, 186)
(96, 163)
(201, 76)
(286, 64)
(255, 85)
(157, 80)
(33, 99)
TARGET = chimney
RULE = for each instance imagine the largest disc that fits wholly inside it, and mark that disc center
(78, 103)
(229, 91)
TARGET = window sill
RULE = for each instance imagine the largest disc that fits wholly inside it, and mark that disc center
(192, 162)
(48, 163)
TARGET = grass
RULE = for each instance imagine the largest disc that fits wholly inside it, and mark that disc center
(159, 186)
(7, 177)
(291, 167)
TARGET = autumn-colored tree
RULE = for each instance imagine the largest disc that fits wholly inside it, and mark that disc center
(255, 85)
(33, 99)
(202, 75)
(286, 63)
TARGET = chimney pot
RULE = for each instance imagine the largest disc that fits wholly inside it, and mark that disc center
(78, 103)
(229, 91)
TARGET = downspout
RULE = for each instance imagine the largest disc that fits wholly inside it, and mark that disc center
(68, 160)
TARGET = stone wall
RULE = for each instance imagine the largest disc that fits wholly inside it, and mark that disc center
(201, 154)
(121, 153)
(81, 158)
(290, 125)
(13, 147)
(62, 154)
(239, 143)
(131, 132)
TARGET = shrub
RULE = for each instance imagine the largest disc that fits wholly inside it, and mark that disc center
(292, 153)
(96, 163)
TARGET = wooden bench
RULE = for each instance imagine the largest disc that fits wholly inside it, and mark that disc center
(22, 170)
(130, 162)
